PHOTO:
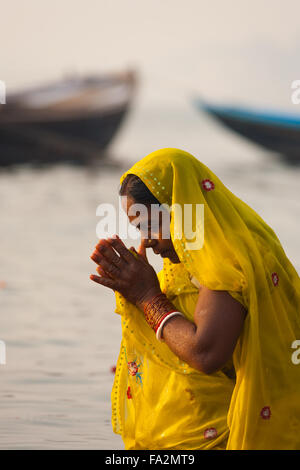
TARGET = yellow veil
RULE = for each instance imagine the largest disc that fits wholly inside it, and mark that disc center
(158, 402)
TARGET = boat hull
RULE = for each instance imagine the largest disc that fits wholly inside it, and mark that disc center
(277, 133)
(77, 139)
(73, 120)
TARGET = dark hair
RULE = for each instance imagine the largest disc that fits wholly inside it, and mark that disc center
(134, 187)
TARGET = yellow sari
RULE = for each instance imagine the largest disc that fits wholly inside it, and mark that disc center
(159, 402)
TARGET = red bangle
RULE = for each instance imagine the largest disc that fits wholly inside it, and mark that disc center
(156, 309)
(164, 316)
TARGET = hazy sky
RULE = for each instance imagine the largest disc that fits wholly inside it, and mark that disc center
(229, 49)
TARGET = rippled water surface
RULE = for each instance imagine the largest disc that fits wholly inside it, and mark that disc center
(61, 333)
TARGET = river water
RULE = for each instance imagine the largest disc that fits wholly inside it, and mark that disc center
(61, 333)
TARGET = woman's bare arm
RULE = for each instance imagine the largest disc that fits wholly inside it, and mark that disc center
(207, 343)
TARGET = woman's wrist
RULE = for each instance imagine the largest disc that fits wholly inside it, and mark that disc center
(156, 309)
(143, 301)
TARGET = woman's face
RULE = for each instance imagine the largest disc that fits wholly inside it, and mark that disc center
(155, 237)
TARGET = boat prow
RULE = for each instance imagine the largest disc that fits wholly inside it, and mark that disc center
(72, 119)
(273, 130)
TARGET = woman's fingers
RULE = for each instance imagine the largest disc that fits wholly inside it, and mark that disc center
(138, 255)
(121, 248)
(105, 249)
(105, 268)
(106, 264)
(95, 256)
(142, 251)
(104, 281)
(111, 263)
(108, 259)
(101, 271)
(133, 250)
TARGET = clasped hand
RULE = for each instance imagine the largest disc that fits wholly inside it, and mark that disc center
(121, 270)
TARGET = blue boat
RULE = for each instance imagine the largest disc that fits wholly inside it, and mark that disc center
(275, 131)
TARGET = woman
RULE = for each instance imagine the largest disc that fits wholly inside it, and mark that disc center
(236, 296)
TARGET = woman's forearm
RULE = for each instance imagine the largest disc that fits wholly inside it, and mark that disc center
(207, 342)
(180, 334)
(182, 337)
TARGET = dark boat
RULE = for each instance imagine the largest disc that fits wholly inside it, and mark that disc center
(275, 131)
(74, 119)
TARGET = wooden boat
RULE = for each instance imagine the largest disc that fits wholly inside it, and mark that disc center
(74, 119)
(275, 131)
